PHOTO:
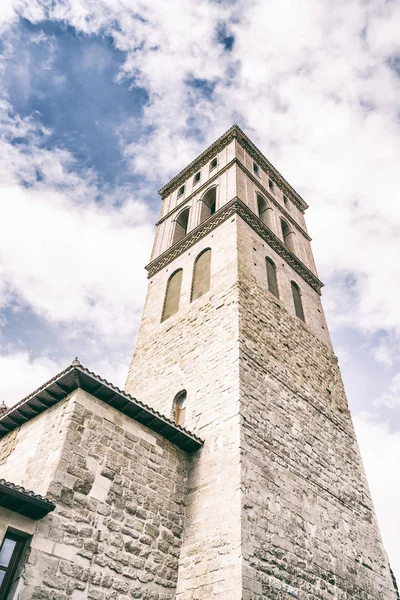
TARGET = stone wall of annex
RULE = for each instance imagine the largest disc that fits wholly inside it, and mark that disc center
(308, 525)
(119, 492)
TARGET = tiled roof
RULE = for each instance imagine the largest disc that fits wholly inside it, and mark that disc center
(76, 376)
(18, 499)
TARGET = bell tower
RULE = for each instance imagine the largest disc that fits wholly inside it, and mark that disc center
(234, 345)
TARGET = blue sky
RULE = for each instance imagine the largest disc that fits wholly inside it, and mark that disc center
(102, 104)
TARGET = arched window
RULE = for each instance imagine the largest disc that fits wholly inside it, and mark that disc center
(271, 277)
(208, 204)
(298, 306)
(181, 225)
(179, 407)
(264, 211)
(288, 235)
(172, 295)
(201, 274)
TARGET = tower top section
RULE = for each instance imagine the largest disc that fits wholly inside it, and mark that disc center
(234, 133)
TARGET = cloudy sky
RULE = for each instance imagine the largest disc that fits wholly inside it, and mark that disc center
(102, 102)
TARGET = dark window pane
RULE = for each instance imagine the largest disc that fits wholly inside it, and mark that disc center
(181, 226)
(208, 204)
(271, 278)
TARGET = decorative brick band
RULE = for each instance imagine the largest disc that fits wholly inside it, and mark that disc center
(233, 207)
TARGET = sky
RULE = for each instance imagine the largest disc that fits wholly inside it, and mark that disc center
(103, 102)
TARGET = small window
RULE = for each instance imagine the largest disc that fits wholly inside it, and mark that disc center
(196, 178)
(201, 274)
(181, 226)
(10, 556)
(271, 185)
(256, 168)
(213, 163)
(172, 295)
(208, 204)
(298, 306)
(181, 191)
(271, 277)
(180, 407)
(286, 202)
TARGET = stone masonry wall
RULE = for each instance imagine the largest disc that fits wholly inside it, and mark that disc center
(308, 525)
(117, 529)
(197, 350)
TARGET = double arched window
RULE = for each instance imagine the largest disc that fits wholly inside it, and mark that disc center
(172, 295)
(208, 204)
(179, 407)
(288, 235)
(264, 211)
(298, 305)
(271, 277)
(201, 274)
(181, 225)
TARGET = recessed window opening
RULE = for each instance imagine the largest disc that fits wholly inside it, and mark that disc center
(201, 274)
(172, 295)
(179, 407)
(208, 204)
(286, 202)
(181, 190)
(264, 211)
(213, 163)
(256, 168)
(288, 235)
(181, 225)
(271, 277)
(196, 178)
(271, 185)
(10, 556)
(298, 306)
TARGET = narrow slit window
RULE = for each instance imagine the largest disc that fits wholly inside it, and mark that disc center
(256, 168)
(181, 191)
(271, 277)
(172, 295)
(271, 185)
(208, 204)
(181, 226)
(10, 556)
(196, 178)
(298, 305)
(286, 202)
(201, 274)
(180, 408)
(213, 163)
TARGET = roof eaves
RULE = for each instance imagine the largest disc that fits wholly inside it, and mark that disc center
(122, 401)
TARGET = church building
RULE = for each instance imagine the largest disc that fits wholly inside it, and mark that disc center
(228, 468)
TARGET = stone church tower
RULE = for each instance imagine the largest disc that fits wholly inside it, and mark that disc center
(234, 345)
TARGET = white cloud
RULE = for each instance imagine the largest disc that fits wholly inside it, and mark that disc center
(63, 255)
(380, 449)
(22, 374)
(391, 398)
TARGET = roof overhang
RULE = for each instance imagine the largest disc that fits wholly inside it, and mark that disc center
(18, 499)
(78, 377)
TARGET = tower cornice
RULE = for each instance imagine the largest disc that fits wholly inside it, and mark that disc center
(235, 133)
(235, 206)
